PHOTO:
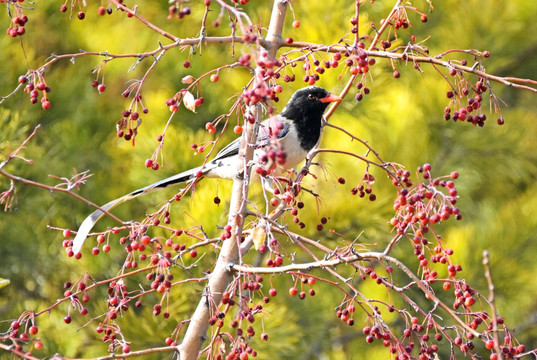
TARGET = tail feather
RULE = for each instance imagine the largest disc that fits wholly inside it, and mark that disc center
(90, 221)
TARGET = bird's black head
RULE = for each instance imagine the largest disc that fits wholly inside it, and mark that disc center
(308, 103)
(305, 109)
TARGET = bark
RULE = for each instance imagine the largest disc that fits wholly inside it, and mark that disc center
(221, 276)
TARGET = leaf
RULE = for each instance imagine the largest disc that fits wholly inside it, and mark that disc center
(4, 282)
(188, 79)
(259, 236)
(189, 101)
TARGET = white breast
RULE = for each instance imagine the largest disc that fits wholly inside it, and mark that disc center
(227, 168)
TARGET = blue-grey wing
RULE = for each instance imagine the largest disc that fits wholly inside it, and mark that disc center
(271, 129)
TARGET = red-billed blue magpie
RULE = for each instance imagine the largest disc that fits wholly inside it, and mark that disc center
(283, 140)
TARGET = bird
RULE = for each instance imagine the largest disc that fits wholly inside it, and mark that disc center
(290, 135)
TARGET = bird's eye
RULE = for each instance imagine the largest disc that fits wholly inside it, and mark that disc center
(311, 96)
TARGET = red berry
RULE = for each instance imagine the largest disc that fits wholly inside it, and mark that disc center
(293, 291)
(237, 129)
(469, 301)
(81, 15)
(186, 64)
(423, 18)
(101, 10)
(106, 248)
(193, 253)
(296, 24)
(63, 8)
(101, 88)
(95, 251)
(145, 240)
(45, 104)
(33, 330)
(214, 77)
(148, 163)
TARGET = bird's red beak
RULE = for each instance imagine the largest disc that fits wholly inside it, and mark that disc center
(330, 98)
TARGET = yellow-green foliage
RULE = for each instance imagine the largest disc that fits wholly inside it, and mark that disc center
(401, 119)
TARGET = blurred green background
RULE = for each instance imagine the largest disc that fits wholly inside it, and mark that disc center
(401, 119)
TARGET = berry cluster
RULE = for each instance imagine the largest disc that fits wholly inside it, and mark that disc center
(100, 87)
(427, 203)
(81, 15)
(118, 302)
(17, 27)
(248, 36)
(471, 111)
(362, 90)
(35, 84)
(363, 189)
(346, 313)
(356, 60)
(21, 329)
(309, 281)
(102, 10)
(239, 296)
(127, 127)
(398, 21)
(426, 334)
(261, 94)
(178, 11)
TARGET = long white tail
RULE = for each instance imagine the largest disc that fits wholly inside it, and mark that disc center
(90, 221)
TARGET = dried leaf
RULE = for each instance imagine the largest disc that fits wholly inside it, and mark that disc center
(189, 101)
(368, 178)
(259, 236)
(189, 79)
(3, 283)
